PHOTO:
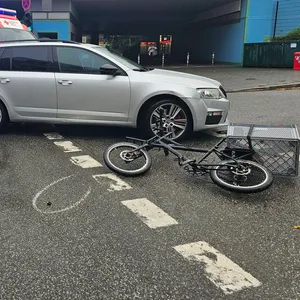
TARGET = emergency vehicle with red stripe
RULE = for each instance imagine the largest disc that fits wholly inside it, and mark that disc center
(11, 29)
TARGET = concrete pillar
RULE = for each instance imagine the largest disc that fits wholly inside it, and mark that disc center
(47, 5)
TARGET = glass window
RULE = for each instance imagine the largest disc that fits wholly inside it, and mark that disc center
(12, 34)
(73, 60)
(5, 59)
(125, 61)
(31, 59)
(49, 35)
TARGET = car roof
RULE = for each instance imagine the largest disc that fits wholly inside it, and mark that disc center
(35, 42)
(48, 42)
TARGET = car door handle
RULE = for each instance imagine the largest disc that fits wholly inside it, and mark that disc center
(65, 82)
(4, 80)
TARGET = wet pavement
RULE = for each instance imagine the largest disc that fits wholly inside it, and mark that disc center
(65, 235)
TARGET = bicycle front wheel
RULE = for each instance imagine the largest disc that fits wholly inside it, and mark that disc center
(242, 176)
(124, 159)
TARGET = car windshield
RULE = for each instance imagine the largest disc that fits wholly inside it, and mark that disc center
(123, 60)
(12, 34)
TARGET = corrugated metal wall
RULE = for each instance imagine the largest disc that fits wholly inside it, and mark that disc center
(270, 55)
(288, 17)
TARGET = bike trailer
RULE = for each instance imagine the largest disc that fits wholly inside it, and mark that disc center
(275, 147)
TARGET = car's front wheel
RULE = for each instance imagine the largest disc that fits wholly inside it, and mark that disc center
(176, 119)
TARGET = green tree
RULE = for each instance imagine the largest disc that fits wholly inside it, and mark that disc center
(293, 35)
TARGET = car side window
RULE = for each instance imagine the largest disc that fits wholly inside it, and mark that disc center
(73, 60)
(31, 59)
(5, 59)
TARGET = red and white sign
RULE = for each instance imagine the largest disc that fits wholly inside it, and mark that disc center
(26, 4)
(7, 23)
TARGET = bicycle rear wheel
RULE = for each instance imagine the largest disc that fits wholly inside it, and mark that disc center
(242, 176)
(124, 159)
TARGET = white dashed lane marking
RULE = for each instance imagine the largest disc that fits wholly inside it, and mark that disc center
(68, 146)
(53, 136)
(149, 213)
(116, 184)
(85, 161)
(219, 269)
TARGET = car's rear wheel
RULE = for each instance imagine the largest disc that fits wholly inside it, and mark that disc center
(176, 119)
(4, 120)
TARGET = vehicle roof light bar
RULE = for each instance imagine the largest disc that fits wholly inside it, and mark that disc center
(8, 12)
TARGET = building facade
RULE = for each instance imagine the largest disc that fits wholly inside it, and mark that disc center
(236, 22)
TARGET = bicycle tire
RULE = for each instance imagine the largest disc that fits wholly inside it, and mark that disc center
(116, 169)
(263, 185)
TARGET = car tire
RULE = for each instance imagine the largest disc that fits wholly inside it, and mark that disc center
(4, 119)
(181, 113)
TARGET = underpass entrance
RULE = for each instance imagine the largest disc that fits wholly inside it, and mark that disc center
(177, 28)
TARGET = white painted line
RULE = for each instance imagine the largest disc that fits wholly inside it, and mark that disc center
(149, 213)
(85, 162)
(117, 184)
(37, 196)
(68, 146)
(220, 270)
(53, 136)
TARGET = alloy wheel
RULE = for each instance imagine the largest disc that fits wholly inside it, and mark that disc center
(174, 120)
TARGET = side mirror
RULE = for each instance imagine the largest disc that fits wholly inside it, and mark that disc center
(109, 70)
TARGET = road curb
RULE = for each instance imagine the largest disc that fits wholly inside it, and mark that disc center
(266, 88)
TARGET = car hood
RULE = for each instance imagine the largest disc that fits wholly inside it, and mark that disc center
(191, 80)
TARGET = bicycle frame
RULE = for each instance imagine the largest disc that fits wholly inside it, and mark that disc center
(172, 147)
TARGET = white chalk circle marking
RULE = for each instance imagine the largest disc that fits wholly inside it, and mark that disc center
(37, 196)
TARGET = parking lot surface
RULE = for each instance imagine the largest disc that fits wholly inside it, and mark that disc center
(70, 229)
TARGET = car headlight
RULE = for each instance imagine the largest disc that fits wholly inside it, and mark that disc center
(210, 94)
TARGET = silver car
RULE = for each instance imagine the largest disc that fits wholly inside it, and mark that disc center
(67, 82)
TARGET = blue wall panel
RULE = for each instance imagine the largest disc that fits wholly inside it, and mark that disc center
(62, 27)
(288, 16)
(226, 41)
(261, 18)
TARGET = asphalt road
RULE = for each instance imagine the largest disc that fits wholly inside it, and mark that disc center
(65, 235)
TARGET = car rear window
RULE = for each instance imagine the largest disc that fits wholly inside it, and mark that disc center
(31, 59)
(5, 59)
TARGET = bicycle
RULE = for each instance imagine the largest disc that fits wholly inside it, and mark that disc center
(236, 171)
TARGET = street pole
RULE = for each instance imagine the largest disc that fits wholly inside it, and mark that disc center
(163, 60)
(276, 19)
